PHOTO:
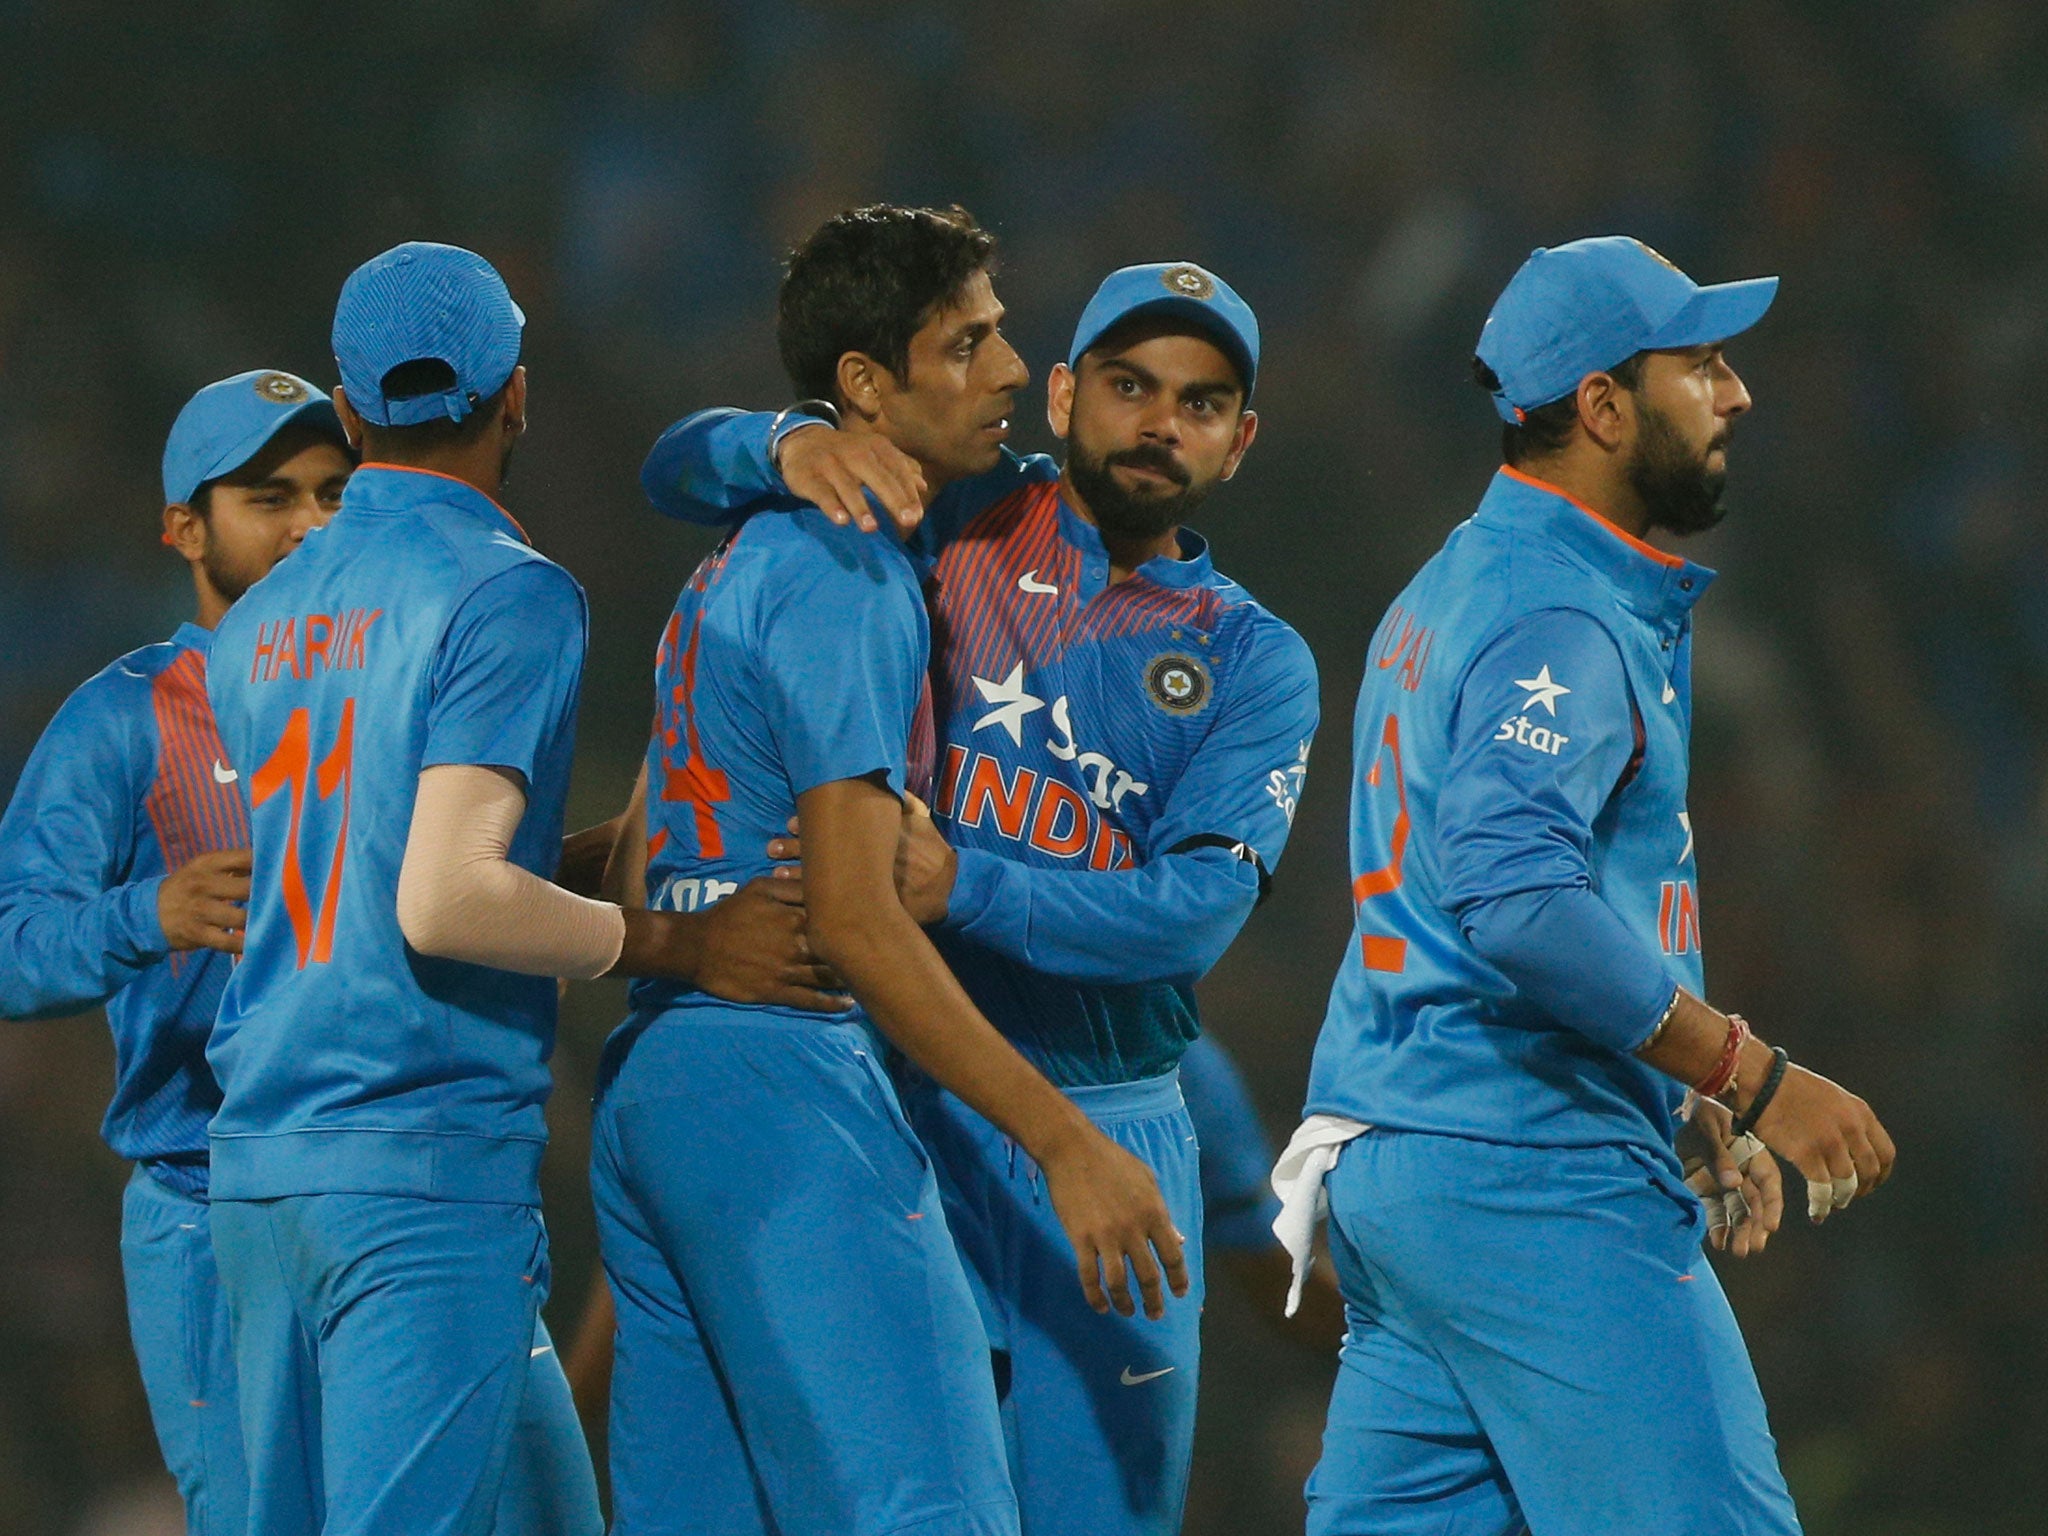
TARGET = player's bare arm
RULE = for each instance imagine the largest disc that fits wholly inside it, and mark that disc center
(1107, 1200)
(202, 903)
(1826, 1132)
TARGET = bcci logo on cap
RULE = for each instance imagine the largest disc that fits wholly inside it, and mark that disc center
(1189, 282)
(280, 389)
(1178, 684)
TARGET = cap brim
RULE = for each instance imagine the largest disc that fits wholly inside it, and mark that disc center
(1201, 316)
(314, 413)
(1715, 314)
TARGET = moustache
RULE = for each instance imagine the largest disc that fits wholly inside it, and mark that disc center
(1147, 456)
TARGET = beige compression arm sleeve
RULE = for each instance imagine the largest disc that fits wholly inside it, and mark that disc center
(460, 898)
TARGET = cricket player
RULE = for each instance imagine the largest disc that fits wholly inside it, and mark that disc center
(798, 1348)
(1124, 735)
(123, 861)
(1536, 1340)
(398, 703)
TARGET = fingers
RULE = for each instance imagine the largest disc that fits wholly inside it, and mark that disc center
(1118, 1282)
(916, 807)
(1764, 1188)
(1149, 1288)
(1172, 1249)
(810, 999)
(786, 848)
(847, 488)
(785, 886)
(1887, 1154)
(1091, 1280)
(227, 940)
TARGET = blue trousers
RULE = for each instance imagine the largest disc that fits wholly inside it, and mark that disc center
(798, 1352)
(395, 1375)
(1536, 1343)
(1099, 1411)
(179, 1325)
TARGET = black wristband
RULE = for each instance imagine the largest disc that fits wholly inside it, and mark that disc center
(1746, 1121)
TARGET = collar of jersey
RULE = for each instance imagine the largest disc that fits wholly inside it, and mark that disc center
(1192, 569)
(1658, 585)
(396, 487)
(194, 637)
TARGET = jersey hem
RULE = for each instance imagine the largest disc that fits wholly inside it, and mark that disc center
(429, 1165)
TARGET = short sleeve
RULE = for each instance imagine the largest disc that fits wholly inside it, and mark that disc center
(1543, 731)
(1245, 779)
(844, 650)
(506, 678)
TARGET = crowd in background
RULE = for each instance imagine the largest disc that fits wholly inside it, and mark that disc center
(182, 190)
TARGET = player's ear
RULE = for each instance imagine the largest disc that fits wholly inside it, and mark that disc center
(1059, 400)
(860, 383)
(515, 402)
(185, 531)
(351, 419)
(1603, 414)
(1247, 429)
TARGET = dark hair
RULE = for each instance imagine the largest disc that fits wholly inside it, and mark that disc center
(429, 376)
(1548, 428)
(866, 281)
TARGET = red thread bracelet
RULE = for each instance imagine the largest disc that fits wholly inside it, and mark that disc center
(1716, 1082)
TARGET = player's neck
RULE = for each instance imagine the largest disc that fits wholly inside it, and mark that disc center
(481, 465)
(1595, 480)
(1125, 555)
(212, 606)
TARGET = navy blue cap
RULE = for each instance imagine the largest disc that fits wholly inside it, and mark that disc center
(226, 424)
(1584, 307)
(1178, 288)
(419, 302)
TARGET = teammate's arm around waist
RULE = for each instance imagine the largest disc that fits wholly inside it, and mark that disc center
(1106, 1199)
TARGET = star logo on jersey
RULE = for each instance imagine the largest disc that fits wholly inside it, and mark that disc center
(1178, 684)
(1189, 281)
(1542, 691)
(1012, 703)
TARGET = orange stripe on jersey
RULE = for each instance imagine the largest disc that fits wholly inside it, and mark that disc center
(1634, 543)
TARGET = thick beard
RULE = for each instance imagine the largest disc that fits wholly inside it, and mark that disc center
(1123, 517)
(1681, 495)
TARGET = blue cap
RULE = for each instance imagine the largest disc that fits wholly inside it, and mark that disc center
(419, 302)
(226, 424)
(1581, 308)
(1178, 288)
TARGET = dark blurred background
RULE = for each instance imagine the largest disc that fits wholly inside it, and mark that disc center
(182, 189)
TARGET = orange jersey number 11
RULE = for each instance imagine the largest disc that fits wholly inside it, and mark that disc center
(290, 765)
(1385, 952)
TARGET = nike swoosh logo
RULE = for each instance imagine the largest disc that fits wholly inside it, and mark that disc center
(224, 775)
(1130, 1380)
(1029, 582)
(1670, 693)
(538, 1350)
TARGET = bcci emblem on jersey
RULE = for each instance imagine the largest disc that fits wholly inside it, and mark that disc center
(281, 388)
(1178, 684)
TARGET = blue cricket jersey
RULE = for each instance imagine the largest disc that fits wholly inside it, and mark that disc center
(1524, 886)
(418, 628)
(795, 657)
(128, 783)
(1086, 729)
